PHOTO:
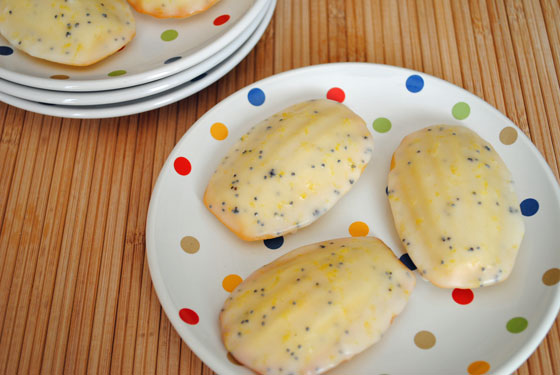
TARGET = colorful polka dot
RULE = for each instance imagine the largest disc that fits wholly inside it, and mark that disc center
(478, 368)
(172, 60)
(232, 359)
(220, 20)
(405, 259)
(424, 340)
(256, 97)
(198, 78)
(6, 51)
(461, 111)
(462, 296)
(116, 73)
(381, 125)
(219, 131)
(189, 316)
(358, 229)
(231, 282)
(274, 243)
(182, 166)
(59, 76)
(551, 277)
(529, 207)
(414, 83)
(336, 94)
(169, 35)
(190, 244)
(508, 135)
(386, 190)
(517, 325)
(120, 49)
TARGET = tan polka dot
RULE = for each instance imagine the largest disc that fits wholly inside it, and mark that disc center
(424, 340)
(233, 360)
(508, 135)
(190, 244)
(551, 277)
(59, 76)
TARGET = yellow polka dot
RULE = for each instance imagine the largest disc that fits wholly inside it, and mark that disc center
(551, 277)
(190, 244)
(358, 229)
(424, 340)
(219, 131)
(478, 368)
(231, 282)
(508, 135)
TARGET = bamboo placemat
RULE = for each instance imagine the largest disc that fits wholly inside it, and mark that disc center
(75, 291)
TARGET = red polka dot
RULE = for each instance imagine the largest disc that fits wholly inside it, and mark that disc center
(120, 49)
(221, 19)
(182, 166)
(462, 296)
(336, 94)
(188, 316)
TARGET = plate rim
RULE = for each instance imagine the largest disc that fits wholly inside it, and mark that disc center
(139, 78)
(523, 352)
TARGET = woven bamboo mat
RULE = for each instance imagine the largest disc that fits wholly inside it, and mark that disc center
(75, 291)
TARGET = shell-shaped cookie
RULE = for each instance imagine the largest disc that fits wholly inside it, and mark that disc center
(288, 170)
(316, 306)
(171, 8)
(455, 207)
(72, 32)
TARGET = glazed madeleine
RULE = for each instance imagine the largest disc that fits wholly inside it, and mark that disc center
(315, 307)
(455, 207)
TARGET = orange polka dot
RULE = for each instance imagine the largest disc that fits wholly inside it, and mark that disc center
(232, 359)
(392, 162)
(59, 76)
(478, 368)
(231, 282)
(358, 229)
(219, 131)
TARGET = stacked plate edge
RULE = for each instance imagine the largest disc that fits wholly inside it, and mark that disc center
(170, 71)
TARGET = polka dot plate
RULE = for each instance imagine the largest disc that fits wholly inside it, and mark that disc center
(195, 261)
(161, 47)
(76, 98)
(182, 90)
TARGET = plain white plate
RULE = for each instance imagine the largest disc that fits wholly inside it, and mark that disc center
(75, 98)
(144, 58)
(465, 335)
(150, 102)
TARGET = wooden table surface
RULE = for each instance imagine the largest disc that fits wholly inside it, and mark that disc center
(75, 290)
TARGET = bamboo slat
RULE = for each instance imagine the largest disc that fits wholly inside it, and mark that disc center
(75, 290)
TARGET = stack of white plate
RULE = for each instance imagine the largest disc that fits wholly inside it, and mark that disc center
(168, 60)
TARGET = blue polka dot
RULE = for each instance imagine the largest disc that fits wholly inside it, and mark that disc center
(405, 259)
(387, 190)
(414, 83)
(529, 207)
(198, 78)
(6, 51)
(172, 59)
(274, 243)
(256, 97)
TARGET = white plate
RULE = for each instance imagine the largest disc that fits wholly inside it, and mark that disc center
(144, 58)
(133, 92)
(465, 334)
(151, 102)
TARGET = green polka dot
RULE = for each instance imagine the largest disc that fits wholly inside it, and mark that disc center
(461, 111)
(169, 35)
(116, 73)
(516, 325)
(382, 125)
